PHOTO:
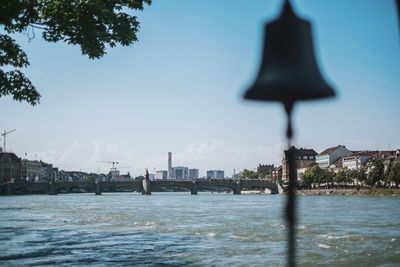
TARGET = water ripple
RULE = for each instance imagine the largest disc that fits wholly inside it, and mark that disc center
(203, 230)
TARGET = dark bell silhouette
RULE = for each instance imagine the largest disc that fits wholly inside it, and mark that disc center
(289, 73)
(289, 70)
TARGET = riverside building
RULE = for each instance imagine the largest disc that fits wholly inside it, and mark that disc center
(180, 173)
(330, 155)
(162, 175)
(215, 174)
(304, 157)
(193, 173)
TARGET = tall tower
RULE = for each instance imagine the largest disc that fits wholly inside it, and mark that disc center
(169, 165)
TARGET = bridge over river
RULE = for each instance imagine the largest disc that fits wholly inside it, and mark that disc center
(144, 186)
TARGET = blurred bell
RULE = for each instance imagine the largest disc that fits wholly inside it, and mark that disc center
(289, 70)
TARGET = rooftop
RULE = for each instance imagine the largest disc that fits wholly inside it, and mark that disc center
(9, 156)
(363, 153)
(303, 151)
(330, 150)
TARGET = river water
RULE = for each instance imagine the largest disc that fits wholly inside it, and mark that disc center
(179, 229)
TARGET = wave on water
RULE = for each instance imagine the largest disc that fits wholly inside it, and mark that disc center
(203, 230)
(333, 236)
(238, 237)
(323, 246)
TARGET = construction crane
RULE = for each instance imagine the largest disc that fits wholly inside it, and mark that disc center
(113, 164)
(5, 134)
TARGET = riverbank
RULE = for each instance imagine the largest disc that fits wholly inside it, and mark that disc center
(350, 192)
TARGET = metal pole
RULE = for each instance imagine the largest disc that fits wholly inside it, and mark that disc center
(291, 201)
(4, 146)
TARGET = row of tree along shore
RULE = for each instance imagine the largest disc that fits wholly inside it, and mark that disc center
(317, 178)
(356, 191)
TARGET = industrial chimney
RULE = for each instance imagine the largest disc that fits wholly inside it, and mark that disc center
(169, 165)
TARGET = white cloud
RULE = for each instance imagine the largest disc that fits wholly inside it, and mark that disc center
(78, 156)
(215, 154)
(208, 154)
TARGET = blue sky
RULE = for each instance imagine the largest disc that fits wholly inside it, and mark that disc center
(180, 89)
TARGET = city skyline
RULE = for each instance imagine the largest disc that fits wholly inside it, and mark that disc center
(177, 91)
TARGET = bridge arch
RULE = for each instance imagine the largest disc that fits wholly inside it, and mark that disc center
(137, 185)
(189, 186)
(68, 187)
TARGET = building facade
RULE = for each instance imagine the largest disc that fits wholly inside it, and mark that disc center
(31, 170)
(304, 157)
(277, 174)
(180, 173)
(265, 169)
(161, 175)
(46, 172)
(357, 160)
(215, 174)
(331, 155)
(10, 167)
(193, 173)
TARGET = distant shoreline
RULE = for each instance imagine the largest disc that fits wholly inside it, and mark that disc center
(350, 192)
